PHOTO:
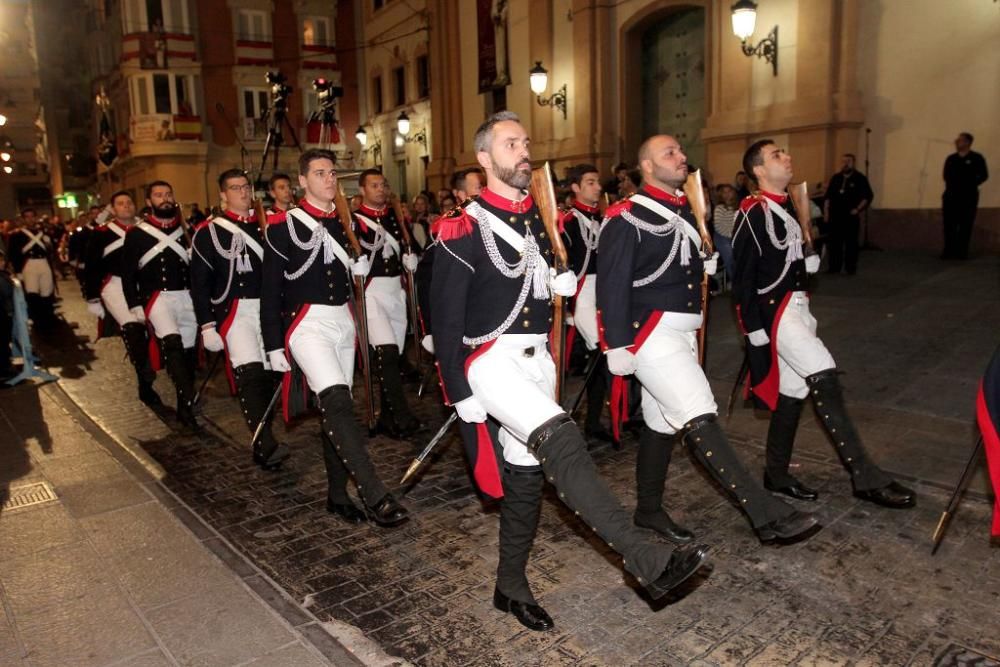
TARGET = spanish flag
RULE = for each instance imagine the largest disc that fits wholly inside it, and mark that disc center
(988, 417)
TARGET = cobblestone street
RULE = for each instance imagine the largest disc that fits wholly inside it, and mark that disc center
(912, 334)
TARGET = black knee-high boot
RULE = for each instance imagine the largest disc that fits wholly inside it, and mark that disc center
(780, 440)
(340, 426)
(135, 335)
(651, 464)
(255, 389)
(519, 512)
(597, 392)
(395, 418)
(177, 362)
(337, 500)
(559, 445)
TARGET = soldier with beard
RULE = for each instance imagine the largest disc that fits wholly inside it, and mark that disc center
(492, 307)
(225, 287)
(102, 287)
(155, 281)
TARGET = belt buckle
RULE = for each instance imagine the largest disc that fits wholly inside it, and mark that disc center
(529, 352)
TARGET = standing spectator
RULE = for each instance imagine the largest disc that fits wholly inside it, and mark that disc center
(724, 218)
(613, 186)
(964, 171)
(420, 225)
(847, 195)
(742, 185)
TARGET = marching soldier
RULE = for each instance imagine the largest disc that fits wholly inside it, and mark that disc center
(279, 186)
(788, 362)
(308, 330)
(491, 296)
(155, 282)
(226, 272)
(648, 311)
(102, 288)
(381, 237)
(30, 251)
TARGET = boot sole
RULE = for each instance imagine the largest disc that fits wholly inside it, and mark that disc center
(668, 538)
(770, 537)
(660, 592)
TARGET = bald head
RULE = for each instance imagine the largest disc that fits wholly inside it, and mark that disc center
(662, 162)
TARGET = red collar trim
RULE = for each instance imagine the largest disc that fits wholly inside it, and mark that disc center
(373, 212)
(657, 193)
(120, 226)
(317, 212)
(162, 224)
(779, 198)
(240, 218)
(495, 200)
(580, 206)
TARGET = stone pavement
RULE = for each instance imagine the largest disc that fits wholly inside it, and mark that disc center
(912, 334)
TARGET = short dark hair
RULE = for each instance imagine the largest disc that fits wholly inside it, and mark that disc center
(309, 156)
(363, 176)
(484, 133)
(95, 208)
(635, 176)
(230, 174)
(157, 184)
(277, 176)
(752, 158)
(458, 179)
(619, 167)
(120, 193)
(28, 209)
(967, 136)
(851, 155)
(576, 173)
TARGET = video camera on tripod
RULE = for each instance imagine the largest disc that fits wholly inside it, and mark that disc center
(280, 90)
(326, 97)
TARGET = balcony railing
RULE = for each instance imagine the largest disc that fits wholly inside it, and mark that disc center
(164, 128)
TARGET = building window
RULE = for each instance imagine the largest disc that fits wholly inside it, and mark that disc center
(316, 31)
(255, 102)
(399, 85)
(423, 77)
(161, 93)
(168, 94)
(253, 25)
(155, 16)
(377, 94)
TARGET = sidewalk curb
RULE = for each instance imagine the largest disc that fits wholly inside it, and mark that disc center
(149, 474)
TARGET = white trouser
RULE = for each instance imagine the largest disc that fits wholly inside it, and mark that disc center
(114, 301)
(244, 343)
(386, 304)
(800, 352)
(37, 277)
(516, 390)
(171, 312)
(585, 312)
(322, 344)
(674, 387)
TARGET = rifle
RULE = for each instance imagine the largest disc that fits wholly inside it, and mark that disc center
(411, 284)
(799, 193)
(545, 198)
(361, 310)
(696, 198)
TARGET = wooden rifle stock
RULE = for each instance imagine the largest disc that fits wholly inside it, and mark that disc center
(411, 286)
(360, 307)
(545, 198)
(799, 193)
(696, 199)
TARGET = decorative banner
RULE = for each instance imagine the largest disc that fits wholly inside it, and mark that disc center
(487, 45)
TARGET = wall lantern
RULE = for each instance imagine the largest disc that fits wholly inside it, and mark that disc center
(744, 22)
(538, 79)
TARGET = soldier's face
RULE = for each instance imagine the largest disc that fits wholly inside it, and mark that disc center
(589, 190)
(321, 180)
(236, 194)
(473, 184)
(160, 195)
(124, 207)
(509, 157)
(282, 191)
(666, 162)
(375, 191)
(777, 167)
(29, 217)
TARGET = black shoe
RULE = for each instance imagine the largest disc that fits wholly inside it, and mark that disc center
(149, 396)
(388, 512)
(795, 527)
(665, 526)
(185, 415)
(346, 511)
(796, 490)
(684, 562)
(529, 615)
(273, 460)
(894, 496)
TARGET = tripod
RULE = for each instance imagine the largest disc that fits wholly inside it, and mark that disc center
(277, 116)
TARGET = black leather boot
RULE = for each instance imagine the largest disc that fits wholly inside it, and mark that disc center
(338, 502)
(255, 389)
(870, 482)
(559, 445)
(772, 519)
(780, 441)
(135, 335)
(176, 360)
(340, 426)
(395, 418)
(597, 391)
(651, 464)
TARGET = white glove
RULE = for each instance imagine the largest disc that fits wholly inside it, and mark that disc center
(138, 313)
(95, 308)
(278, 361)
(427, 342)
(410, 261)
(105, 213)
(360, 266)
(471, 410)
(563, 284)
(711, 264)
(621, 361)
(812, 263)
(758, 338)
(211, 339)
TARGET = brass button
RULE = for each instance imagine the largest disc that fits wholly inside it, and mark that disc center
(689, 272)
(690, 286)
(513, 218)
(526, 310)
(771, 302)
(526, 324)
(635, 325)
(542, 235)
(690, 303)
(329, 273)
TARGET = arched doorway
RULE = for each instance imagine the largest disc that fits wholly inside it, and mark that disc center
(664, 76)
